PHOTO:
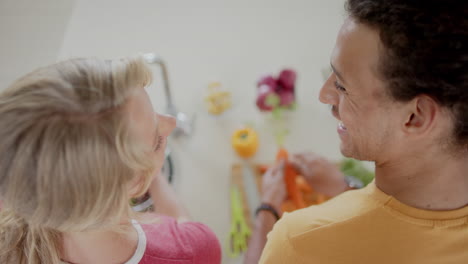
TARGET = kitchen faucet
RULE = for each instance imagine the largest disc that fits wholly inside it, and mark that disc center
(184, 123)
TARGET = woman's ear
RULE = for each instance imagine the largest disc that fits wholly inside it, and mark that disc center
(421, 115)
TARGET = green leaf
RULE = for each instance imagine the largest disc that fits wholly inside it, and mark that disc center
(272, 100)
(356, 168)
(277, 113)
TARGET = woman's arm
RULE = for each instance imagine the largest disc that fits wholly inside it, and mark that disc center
(165, 199)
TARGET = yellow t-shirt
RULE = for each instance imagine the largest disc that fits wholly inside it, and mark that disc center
(368, 226)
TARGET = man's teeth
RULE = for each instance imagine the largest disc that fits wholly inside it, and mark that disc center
(342, 126)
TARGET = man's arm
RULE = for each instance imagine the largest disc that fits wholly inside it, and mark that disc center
(262, 226)
(273, 194)
(324, 176)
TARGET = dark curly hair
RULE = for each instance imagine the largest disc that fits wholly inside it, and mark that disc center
(425, 51)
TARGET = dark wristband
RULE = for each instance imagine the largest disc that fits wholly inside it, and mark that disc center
(269, 208)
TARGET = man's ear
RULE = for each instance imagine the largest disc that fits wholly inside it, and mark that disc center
(421, 115)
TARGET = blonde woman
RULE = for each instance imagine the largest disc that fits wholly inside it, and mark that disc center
(78, 139)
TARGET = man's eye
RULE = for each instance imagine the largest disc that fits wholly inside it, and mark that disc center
(339, 87)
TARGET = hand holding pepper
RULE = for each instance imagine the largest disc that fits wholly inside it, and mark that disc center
(324, 176)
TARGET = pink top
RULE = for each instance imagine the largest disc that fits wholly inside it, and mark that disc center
(170, 242)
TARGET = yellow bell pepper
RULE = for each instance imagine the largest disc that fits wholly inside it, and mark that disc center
(245, 142)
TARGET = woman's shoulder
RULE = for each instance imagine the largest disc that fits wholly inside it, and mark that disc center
(169, 238)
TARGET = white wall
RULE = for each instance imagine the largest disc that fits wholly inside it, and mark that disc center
(31, 34)
(232, 40)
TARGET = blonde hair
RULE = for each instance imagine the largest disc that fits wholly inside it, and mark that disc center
(67, 154)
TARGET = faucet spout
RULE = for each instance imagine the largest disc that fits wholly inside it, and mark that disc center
(152, 58)
(184, 123)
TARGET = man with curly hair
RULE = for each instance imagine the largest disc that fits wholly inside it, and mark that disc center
(399, 90)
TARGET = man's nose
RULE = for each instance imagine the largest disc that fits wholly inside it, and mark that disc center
(328, 94)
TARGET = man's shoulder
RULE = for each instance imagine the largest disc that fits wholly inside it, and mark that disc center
(321, 232)
(349, 205)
